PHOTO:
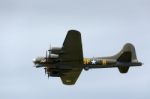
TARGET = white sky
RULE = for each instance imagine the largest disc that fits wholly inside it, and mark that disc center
(27, 27)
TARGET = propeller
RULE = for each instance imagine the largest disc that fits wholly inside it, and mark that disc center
(45, 70)
(48, 75)
(46, 57)
(50, 51)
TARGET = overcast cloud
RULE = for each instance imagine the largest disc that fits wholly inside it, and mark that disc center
(28, 27)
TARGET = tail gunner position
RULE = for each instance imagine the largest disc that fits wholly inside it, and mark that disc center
(67, 61)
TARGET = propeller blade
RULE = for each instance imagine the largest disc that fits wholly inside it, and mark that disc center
(46, 57)
(45, 70)
(50, 50)
(48, 75)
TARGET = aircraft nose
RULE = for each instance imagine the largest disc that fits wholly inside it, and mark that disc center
(38, 60)
(34, 61)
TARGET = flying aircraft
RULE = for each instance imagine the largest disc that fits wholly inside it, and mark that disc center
(67, 62)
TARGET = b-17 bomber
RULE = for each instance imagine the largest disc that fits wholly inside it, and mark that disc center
(67, 62)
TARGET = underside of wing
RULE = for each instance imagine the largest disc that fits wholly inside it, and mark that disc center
(72, 57)
(72, 49)
(70, 78)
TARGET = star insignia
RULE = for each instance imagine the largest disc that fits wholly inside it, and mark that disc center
(93, 61)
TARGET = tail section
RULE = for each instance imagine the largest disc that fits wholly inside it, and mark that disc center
(127, 54)
(126, 57)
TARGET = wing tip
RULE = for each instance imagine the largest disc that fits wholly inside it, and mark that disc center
(74, 31)
(68, 82)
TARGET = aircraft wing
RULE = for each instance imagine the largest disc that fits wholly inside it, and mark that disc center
(72, 49)
(71, 77)
(72, 57)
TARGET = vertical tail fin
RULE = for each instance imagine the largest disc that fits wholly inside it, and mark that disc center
(127, 54)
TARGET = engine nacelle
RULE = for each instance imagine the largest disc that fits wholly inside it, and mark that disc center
(54, 55)
(56, 50)
(54, 74)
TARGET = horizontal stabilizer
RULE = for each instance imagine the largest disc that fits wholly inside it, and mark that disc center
(123, 69)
